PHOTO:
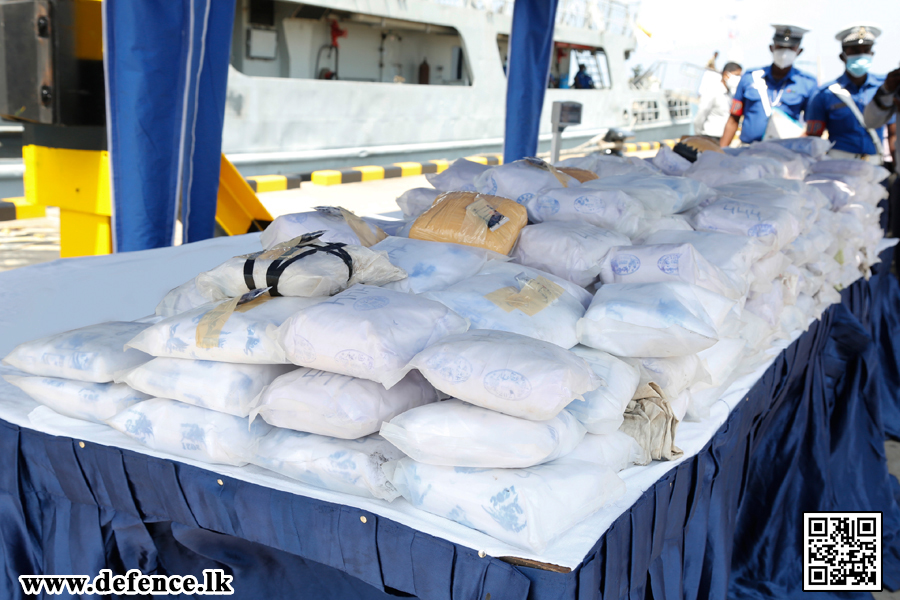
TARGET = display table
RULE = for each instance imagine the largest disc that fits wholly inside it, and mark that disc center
(727, 520)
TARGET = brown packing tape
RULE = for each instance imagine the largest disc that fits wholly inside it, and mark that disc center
(210, 326)
(501, 298)
(560, 176)
(536, 295)
(247, 306)
(362, 229)
(563, 178)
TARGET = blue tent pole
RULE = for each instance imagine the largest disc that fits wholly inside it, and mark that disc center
(528, 67)
(166, 69)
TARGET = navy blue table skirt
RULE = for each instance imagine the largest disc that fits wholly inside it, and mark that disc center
(726, 523)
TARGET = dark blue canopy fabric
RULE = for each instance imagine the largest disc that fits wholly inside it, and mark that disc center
(725, 523)
(166, 66)
(528, 67)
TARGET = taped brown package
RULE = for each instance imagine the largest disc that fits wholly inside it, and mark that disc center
(472, 219)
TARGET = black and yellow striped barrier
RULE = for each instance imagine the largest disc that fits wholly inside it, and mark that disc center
(278, 183)
(274, 183)
(12, 209)
(401, 169)
(646, 146)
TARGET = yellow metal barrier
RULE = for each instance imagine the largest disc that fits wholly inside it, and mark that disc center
(21, 209)
(238, 210)
(77, 181)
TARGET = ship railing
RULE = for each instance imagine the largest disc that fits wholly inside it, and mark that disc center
(613, 16)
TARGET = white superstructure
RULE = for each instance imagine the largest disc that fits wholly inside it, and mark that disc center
(283, 117)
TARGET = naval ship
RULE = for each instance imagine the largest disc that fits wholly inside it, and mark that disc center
(341, 83)
(332, 84)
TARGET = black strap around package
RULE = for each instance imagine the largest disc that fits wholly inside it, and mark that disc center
(273, 273)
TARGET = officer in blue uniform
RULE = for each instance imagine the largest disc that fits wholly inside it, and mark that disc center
(829, 108)
(583, 81)
(778, 86)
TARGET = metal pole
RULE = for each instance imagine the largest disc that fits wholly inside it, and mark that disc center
(555, 144)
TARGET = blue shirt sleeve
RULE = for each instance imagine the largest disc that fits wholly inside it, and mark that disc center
(813, 91)
(742, 87)
(815, 110)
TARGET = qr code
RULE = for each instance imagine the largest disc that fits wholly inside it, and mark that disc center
(842, 551)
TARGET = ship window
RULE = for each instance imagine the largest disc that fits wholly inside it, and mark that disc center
(595, 63)
(262, 12)
(644, 112)
(369, 48)
(564, 63)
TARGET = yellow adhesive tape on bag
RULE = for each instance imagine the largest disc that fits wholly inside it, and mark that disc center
(536, 295)
(209, 328)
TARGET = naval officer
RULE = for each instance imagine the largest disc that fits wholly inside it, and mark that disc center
(838, 105)
(780, 85)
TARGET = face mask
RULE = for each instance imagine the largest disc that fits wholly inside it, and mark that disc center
(858, 64)
(784, 57)
(731, 83)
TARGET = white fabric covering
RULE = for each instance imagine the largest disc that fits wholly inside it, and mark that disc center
(457, 434)
(720, 362)
(356, 332)
(338, 405)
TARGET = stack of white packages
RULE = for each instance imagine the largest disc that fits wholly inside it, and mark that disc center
(247, 350)
(73, 372)
(521, 485)
(640, 292)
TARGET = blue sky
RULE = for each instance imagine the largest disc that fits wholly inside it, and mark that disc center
(740, 30)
